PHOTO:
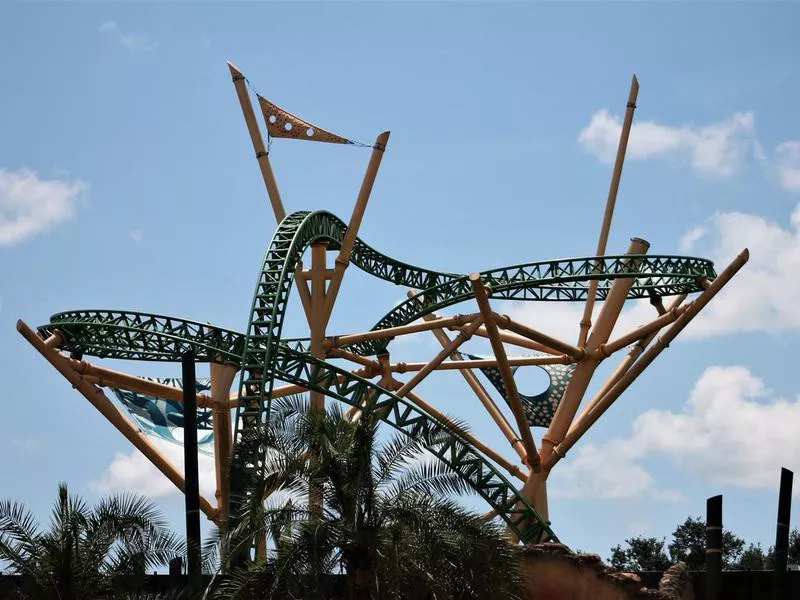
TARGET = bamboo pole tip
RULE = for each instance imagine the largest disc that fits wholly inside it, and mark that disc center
(744, 255)
(21, 325)
(233, 68)
(474, 277)
(634, 89)
(640, 242)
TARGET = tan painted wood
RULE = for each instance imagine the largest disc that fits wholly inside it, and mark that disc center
(100, 401)
(390, 332)
(649, 356)
(612, 307)
(343, 259)
(639, 333)
(586, 321)
(109, 378)
(356, 358)
(513, 339)
(506, 322)
(403, 367)
(222, 376)
(317, 323)
(505, 371)
(437, 360)
(483, 396)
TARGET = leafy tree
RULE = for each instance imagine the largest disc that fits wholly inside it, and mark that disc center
(86, 551)
(753, 559)
(689, 545)
(642, 554)
(388, 521)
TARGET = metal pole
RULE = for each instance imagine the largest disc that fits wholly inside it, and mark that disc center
(779, 587)
(713, 547)
(192, 493)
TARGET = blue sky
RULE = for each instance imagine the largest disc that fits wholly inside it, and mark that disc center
(127, 181)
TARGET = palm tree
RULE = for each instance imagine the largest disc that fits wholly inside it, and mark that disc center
(388, 523)
(86, 550)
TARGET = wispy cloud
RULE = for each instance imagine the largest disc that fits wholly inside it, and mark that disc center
(136, 235)
(787, 158)
(128, 39)
(30, 205)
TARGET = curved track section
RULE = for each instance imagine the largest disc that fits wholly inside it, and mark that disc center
(264, 357)
(156, 337)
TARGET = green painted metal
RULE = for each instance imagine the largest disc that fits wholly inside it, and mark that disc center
(265, 357)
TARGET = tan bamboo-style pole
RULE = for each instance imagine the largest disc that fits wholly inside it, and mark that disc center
(479, 445)
(626, 362)
(317, 322)
(403, 367)
(506, 322)
(648, 357)
(101, 402)
(612, 307)
(258, 143)
(386, 381)
(356, 358)
(586, 321)
(483, 396)
(462, 337)
(513, 339)
(343, 259)
(109, 378)
(222, 376)
(379, 334)
(505, 371)
(262, 155)
(641, 332)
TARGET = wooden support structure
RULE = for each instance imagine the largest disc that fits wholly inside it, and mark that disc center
(513, 339)
(644, 331)
(714, 547)
(100, 401)
(612, 307)
(483, 396)
(317, 322)
(505, 322)
(391, 332)
(505, 372)
(462, 363)
(437, 360)
(647, 358)
(343, 259)
(605, 228)
(222, 376)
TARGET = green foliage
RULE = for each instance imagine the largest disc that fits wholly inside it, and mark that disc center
(86, 552)
(689, 545)
(388, 522)
(642, 554)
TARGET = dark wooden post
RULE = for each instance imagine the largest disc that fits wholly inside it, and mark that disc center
(192, 489)
(779, 591)
(713, 547)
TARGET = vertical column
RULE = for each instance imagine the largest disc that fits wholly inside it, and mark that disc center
(222, 377)
(317, 327)
(713, 547)
(779, 587)
(192, 492)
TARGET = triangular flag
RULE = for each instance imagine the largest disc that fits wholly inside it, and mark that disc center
(282, 124)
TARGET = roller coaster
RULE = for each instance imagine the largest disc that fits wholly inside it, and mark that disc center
(270, 366)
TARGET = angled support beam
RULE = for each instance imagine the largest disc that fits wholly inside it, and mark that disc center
(343, 259)
(505, 322)
(640, 333)
(390, 332)
(586, 321)
(479, 445)
(461, 363)
(462, 337)
(483, 396)
(513, 339)
(505, 372)
(612, 307)
(100, 401)
(648, 357)
(222, 377)
(356, 358)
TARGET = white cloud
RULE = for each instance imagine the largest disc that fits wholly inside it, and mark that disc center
(762, 296)
(716, 149)
(732, 430)
(27, 443)
(130, 40)
(690, 239)
(136, 235)
(30, 205)
(787, 158)
(133, 472)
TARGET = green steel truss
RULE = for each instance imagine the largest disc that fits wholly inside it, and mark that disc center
(264, 357)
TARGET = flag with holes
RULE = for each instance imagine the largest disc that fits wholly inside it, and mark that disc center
(283, 124)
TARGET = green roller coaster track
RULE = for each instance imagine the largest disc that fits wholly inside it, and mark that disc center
(263, 357)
